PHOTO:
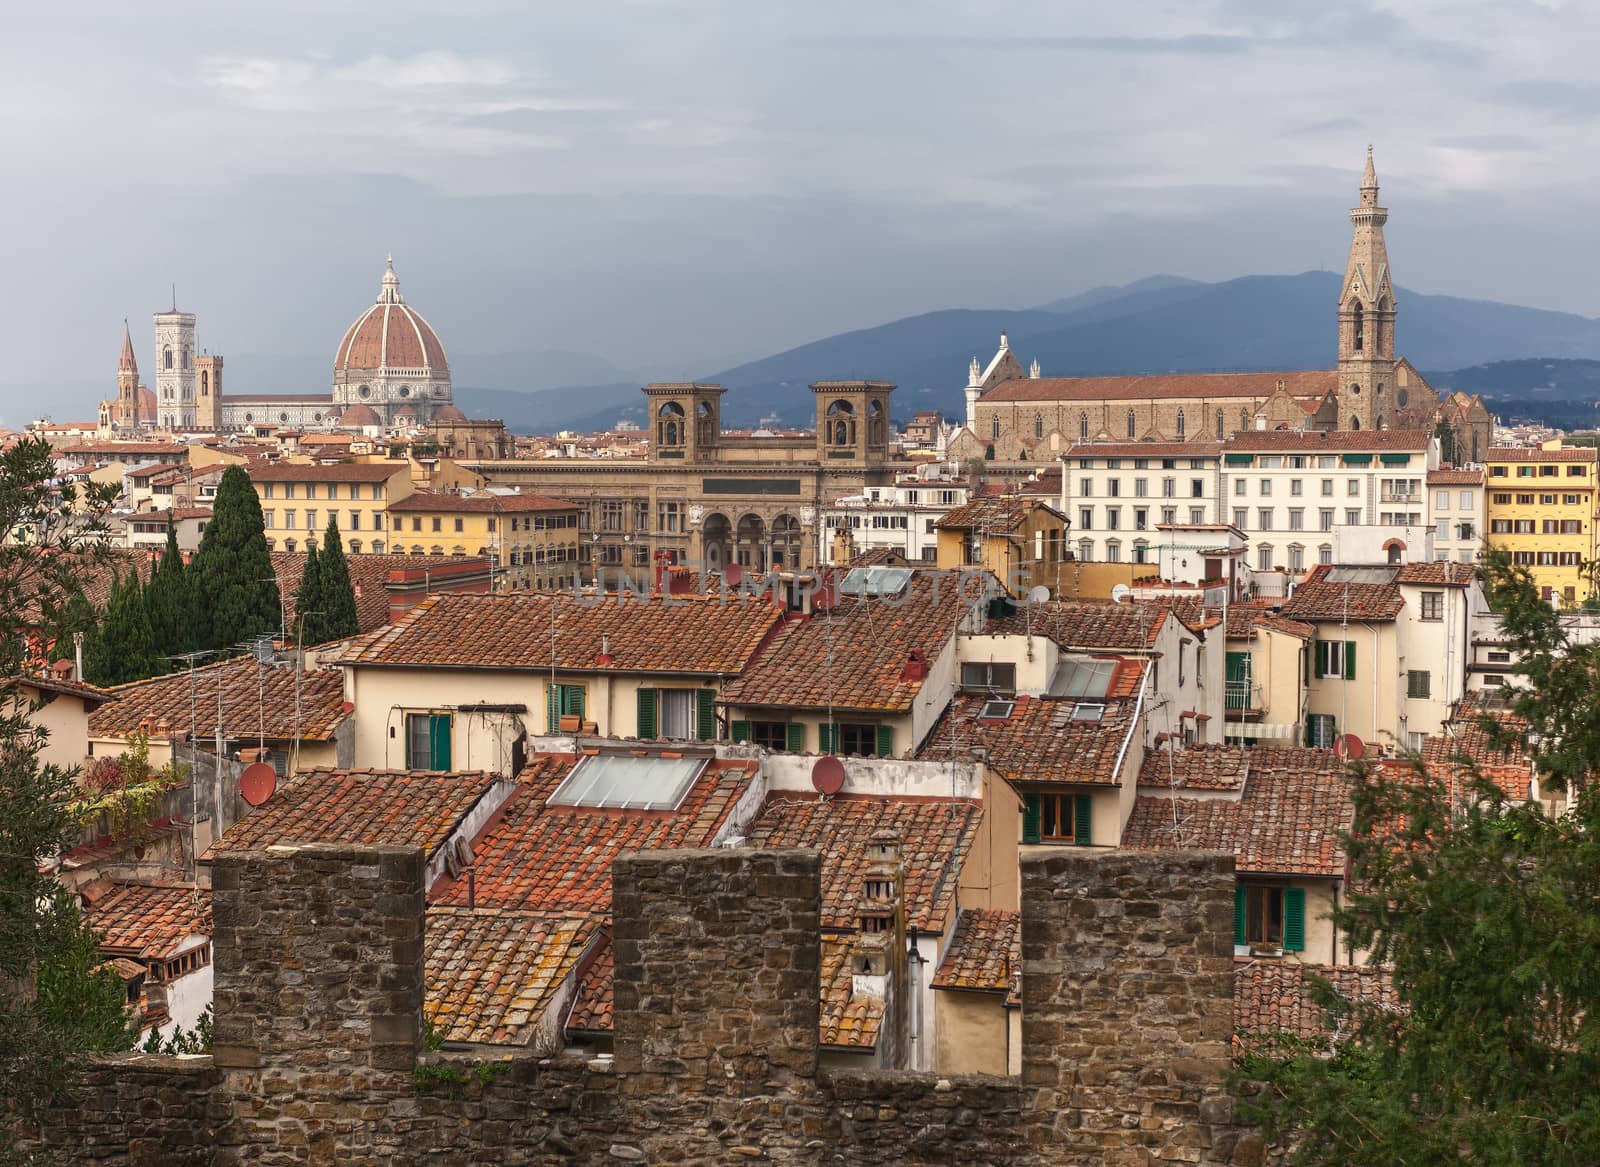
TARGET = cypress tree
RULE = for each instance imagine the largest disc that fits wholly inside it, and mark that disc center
(167, 600)
(338, 596)
(235, 593)
(308, 601)
(125, 649)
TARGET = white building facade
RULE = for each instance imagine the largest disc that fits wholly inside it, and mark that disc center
(900, 518)
(1117, 494)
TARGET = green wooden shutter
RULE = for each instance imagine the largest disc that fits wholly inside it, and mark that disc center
(739, 731)
(1238, 914)
(553, 692)
(705, 711)
(827, 735)
(572, 699)
(439, 740)
(1080, 819)
(795, 737)
(886, 741)
(1294, 919)
(647, 713)
(1030, 818)
(1349, 660)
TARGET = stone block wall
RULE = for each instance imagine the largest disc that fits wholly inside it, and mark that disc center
(1127, 968)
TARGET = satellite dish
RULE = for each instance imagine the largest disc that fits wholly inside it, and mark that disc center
(257, 782)
(1120, 592)
(1348, 747)
(827, 775)
(1039, 595)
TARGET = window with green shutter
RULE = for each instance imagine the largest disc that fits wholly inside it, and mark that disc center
(1238, 914)
(647, 713)
(706, 714)
(885, 741)
(564, 701)
(739, 731)
(427, 741)
(1349, 660)
(795, 737)
(1294, 919)
(827, 736)
(439, 740)
(1030, 818)
(1080, 820)
(1419, 684)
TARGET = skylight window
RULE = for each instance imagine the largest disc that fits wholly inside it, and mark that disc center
(996, 710)
(626, 782)
(874, 581)
(1078, 677)
(1087, 711)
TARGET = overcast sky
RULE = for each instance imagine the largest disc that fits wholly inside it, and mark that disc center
(672, 185)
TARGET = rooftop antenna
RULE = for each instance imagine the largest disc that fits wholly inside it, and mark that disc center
(174, 295)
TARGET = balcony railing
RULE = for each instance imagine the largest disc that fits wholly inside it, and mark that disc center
(1241, 698)
(1395, 497)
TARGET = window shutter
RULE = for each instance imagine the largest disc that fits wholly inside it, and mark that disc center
(1294, 919)
(1349, 660)
(1080, 819)
(827, 735)
(886, 741)
(1030, 818)
(705, 701)
(572, 699)
(795, 737)
(439, 740)
(647, 713)
(739, 730)
(554, 694)
(1238, 914)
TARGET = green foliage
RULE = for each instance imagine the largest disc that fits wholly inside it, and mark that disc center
(76, 616)
(1485, 909)
(181, 1040)
(235, 593)
(338, 597)
(308, 599)
(1446, 434)
(167, 601)
(448, 1077)
(125, 647)
(79, 996)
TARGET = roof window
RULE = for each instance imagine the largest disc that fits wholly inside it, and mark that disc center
(628, 782)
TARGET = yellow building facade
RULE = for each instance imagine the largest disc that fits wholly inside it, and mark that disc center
(534, 540)
(297, 499)
(1540, 507)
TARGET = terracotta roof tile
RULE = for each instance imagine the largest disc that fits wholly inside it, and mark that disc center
(934, 835)
(678, 634)
(1521, 454)
(1294, 805)
(369, 577)
(1320, 599)
(1303, 383)
(1455, 478)
(255, 699)
(1144, 450)
(445, 501)
(592, 1006)
(149, 921)
(1273, 997)
(91, 695)
(1244, 619)
(1437, 573)
(327, 471)
(846, 1019)
(407, 808)
(1040, 741)
(855, 657)
(999, 514)
(1196, 768)
(1091, 626)
(490, 974)
(1466, 740)
(984, 954)
(1313, 441)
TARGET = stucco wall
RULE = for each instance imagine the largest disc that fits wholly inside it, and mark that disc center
(972, 1033)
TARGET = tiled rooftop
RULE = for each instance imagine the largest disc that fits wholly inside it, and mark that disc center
(1318, 599)
(869, 641)
(1201, 767)
(1455, 477)
(406, 808)
(1437, 573)
(1245, 619)
(997, 514)
(1314, 441)
(369, 577)
(256, 699)
(1294, 805)
(984, 954)
(1169, 385)
(1144, 450)
(149, 921)
(1040, 741)
(326, 471)
(1274, 996)
(490, 973)
(934, 834)
(1524, 454)
(1465, 738)
(845, 1019)
(1129, 627)
(452, 502)
(681, 634)
(592, 1006)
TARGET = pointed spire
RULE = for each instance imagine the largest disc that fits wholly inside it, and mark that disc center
(973, 372)
(1033, 369)
(126, 363)
(389, 293)
(1369, 177)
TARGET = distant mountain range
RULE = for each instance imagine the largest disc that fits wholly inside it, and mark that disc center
(1159, 324)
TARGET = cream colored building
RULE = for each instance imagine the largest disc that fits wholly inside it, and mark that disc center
(297, 500)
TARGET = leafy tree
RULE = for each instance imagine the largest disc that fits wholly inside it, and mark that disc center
(1446, 434)
(78, 996)
(125, 648)
(308, 600)
(167, 601)
(1485, 909)
(49, 533)
(76, 616)
(235, 593)
(338, 597)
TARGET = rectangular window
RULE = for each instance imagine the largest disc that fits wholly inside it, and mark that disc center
(1571, 527)
(1524, 500)
(355, 520)
(996, 677)
(1466, 500)
(563, 701)
(427, 741)
(1352, 517)
(1502, 500)
(1551, 471)
(1336, 659)
(1547, 500)
(1325, 518)
(1577, 471)
(1141, 519)
(288, 518)
(460, 525)
(1266, 488)
(1141, 487)
(1269, 917)
(1497, 472)
(1113, 518)
(311, 520)
(266, 490)
(1271, 461)
(1327, 488)
(1240, 485)
(1197, 488)
(1056, 818)
(774, 735)
(1169, 487)
(1525, 472)
(1441, 500)
(1466, 531)
(1086, 487)
(857, 738)
(1296, 487)
(1197, 515)
(1419, 684)
(1241, 518)
(1297, 519)
(1264, 518)
(1352, 487)
(269, 519)
(1522, 527)
(1085, 518)
(1320, 730)
(1570, 500)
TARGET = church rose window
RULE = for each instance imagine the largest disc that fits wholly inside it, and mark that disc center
(364, 391)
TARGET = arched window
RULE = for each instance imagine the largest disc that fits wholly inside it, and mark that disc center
(1380, 424)
(1182, 425)
(205, 382)
(1401, 396)
(1360, 337)
(1133, 424)
(994, 426)
(1083, 427)
(166, 357)
(1220, 424)
(1038, 425)
(669, 425)
(988, 452)
(1355, 423)
(875, 422)
(1244, 418)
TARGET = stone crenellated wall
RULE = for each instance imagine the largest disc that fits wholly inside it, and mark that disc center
(1127, 975)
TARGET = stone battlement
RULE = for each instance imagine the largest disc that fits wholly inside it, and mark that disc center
(1127, 972)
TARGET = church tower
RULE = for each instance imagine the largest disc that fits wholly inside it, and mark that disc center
(1366, 317)
(175, 369)
(208, 407)
(127, 409)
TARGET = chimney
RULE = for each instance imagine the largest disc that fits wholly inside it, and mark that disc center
(916, 667)
(878, 951)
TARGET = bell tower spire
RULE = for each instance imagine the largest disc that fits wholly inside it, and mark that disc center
(1366, 316)
(127, 410)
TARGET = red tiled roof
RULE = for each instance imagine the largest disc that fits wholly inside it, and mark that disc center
(934, 835)
(845, 1019)
(1001, 514)
(393, 336)
(1313, 441)
(1244, 619)
(148, 921)
(490, 973)
(1318, 599)
(984, 954)
(1455, 478)
(855, 657)
(326, 471)
(256, 699)
(592, 1005)
(90, 695)
(406, 808)
(445, 501)
(1196, 768)
(1466, 742)
(1287, 822)
(676, 634)
(1040, 742)
(1302, 383)
(1144, 450)
(1437, 573)
(1273, 997)
(1086, 625)
(1522, 454)
(369, 576)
